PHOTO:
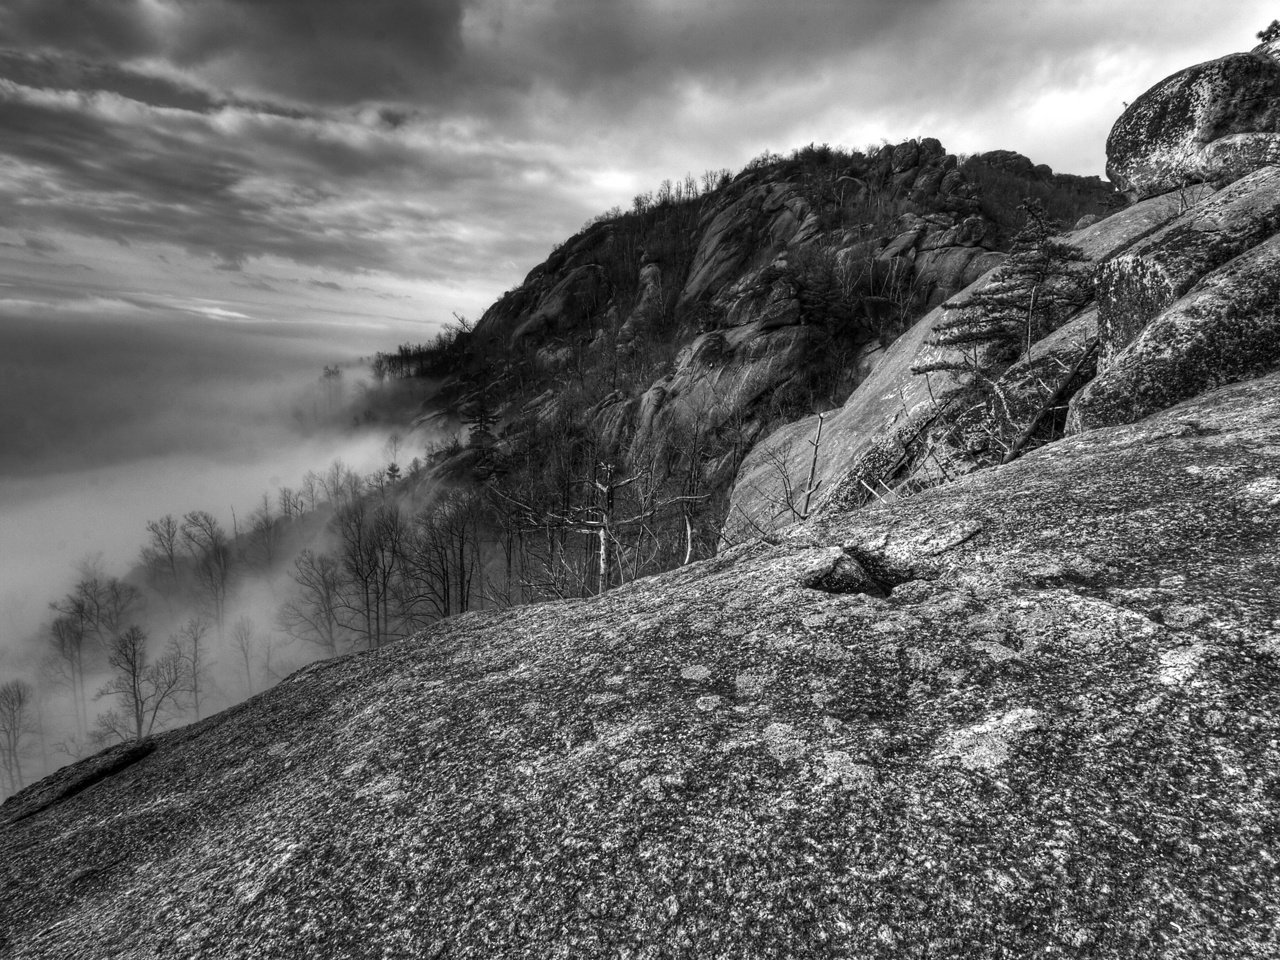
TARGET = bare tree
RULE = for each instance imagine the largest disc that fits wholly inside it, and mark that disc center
(290, 502)
(210, 550)
(263, 533)
(145, 689)
(243, 641)
(163, 549)
(189, 647)
(16, 704)
(316, 613)
(340, 484)
(67, 635)
(371, 544)
(311, 488)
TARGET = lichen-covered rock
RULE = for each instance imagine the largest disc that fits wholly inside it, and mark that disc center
(1140, 284)
(1226, 328)
(1056, 735)
(1213, 122)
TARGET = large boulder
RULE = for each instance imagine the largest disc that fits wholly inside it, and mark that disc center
(1213, 122)
(1140, 284)
(1032, 714)
(1226, 328)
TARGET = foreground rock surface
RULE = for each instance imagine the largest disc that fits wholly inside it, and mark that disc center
(1032, 713)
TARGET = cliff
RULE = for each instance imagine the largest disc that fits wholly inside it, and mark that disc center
(1180, 298)
(728, 312)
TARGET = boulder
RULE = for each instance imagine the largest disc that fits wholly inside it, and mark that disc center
(906, 156)
(1140, 284)
(1226, 328)
(1213, 122)
(970, 232)
(946, 271)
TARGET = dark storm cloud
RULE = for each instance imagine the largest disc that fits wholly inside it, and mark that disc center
(328, 52)
(108, 29)
(440, 139)
(232, 184)
(434, 52)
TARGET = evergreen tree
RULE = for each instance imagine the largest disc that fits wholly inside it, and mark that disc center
(1037, 287)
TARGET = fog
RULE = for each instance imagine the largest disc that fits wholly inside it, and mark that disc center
(118, 413)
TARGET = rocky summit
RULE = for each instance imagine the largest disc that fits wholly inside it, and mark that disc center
(1009, 688)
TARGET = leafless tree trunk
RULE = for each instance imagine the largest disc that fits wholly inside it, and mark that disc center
(188, 645)
(144, 689)
(242, 641)
(16, 703)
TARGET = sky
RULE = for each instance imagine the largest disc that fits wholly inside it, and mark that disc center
(399, 160)
(203, 202)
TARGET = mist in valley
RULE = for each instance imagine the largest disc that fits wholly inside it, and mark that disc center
(234, 436)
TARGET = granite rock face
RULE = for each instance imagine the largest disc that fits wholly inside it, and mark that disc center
(1226, 328)
(1214, 122)
(1137, 286)
(1031, 713)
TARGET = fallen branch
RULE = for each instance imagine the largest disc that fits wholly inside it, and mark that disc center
(1015, 448)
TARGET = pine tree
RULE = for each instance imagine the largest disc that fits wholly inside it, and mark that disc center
(1037, 287)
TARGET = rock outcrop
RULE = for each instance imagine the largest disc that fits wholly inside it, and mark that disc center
(880, 440)
(1211, 123)
(1186, 300)
(1226, 328)
(1137, 286)
(1032, 713)
(767, 295)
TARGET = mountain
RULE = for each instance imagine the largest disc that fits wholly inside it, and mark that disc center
(1009, 688)
(666, 342)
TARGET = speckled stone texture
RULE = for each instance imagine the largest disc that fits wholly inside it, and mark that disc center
(1225, 328)
(1137, 286)
(1213, 122)
(1054, 733)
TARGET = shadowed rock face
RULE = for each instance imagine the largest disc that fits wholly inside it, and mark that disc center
(1032, 713)
(1213, 122)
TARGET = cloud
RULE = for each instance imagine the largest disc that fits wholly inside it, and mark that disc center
(452, 142)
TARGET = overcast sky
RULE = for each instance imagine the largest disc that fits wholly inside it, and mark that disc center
(397, 160)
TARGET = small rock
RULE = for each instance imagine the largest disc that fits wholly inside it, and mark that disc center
(782, 742)
(751, 683)
(1180, 665)
(697, 673)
